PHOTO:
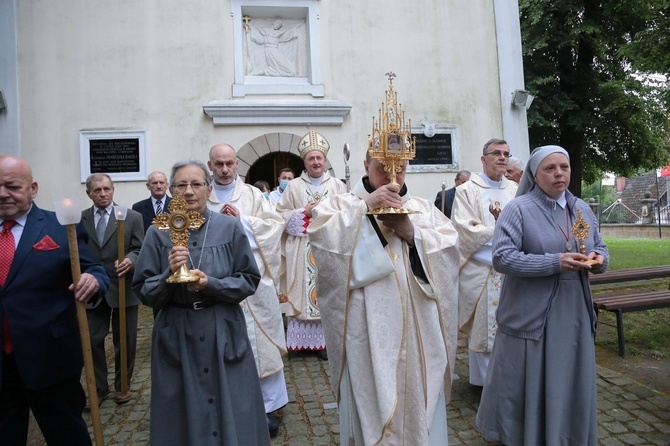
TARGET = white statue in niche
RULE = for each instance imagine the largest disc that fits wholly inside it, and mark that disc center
(276, 48)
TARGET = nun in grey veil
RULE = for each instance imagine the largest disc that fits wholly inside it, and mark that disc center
(541, 383)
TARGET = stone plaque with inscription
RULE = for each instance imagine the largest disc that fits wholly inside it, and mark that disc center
(433, 151)
(114, 155)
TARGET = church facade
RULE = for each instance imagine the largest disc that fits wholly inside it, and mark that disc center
(132, 87)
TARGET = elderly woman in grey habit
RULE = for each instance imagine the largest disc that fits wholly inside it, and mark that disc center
(541, 383)
(206, 389)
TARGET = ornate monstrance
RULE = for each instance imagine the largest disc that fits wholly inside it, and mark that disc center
(179, 221)
(391, 142)
(581, 232)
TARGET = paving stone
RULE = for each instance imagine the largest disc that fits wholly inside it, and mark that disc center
(642, 391)
(629, 413)
(645, 416)
(609, 441)
(320, 431)
(640, 426)
(615, 428)
(621, 415)
(630, 397)
(658, 439)
(620, 381)
(632, 439)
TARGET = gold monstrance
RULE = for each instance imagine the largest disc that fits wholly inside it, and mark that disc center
(179, 221)
(391, 142)
(581, 232)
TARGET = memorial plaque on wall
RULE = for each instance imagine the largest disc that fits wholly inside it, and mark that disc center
(433, 151)
(122, 154)
(114, 155)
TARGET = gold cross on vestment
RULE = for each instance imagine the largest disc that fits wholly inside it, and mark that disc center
(179, 220)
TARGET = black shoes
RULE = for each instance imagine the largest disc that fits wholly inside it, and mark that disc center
(322, 354)
(273, 424)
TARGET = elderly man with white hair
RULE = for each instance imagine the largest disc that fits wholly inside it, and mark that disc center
(515, 167)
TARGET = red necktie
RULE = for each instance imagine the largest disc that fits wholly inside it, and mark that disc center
(7, 249)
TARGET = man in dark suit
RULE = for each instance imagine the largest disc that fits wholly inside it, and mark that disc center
(42, 360)
(103, 244)
(158, 202)
(461, 177)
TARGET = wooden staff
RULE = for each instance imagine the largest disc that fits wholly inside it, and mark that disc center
(120, 213)
(122, 309)
(444, 186)
(85, 336)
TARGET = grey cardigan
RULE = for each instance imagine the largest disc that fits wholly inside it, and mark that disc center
(526, 249)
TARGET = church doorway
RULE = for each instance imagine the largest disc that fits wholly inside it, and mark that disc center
(264, 156)
(267, 167)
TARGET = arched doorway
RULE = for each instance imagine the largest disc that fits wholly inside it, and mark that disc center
(268, 167)
(264, 156)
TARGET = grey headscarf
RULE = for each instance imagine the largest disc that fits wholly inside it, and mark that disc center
(536, 157)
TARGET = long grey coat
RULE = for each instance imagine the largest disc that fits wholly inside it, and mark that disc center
(205, 388)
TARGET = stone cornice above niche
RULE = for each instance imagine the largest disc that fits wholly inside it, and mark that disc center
(277, 112)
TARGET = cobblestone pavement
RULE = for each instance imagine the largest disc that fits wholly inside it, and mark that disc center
(629, 413)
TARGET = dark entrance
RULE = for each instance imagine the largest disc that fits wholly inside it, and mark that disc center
(267, 167)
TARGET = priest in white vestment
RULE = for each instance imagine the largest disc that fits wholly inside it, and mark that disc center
(388, 290)
(264, 228)
(476, 208)
(301, 196)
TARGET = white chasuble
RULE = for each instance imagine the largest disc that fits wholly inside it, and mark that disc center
(393, 333)
(264, 228)
(298, 282)
(477, 205)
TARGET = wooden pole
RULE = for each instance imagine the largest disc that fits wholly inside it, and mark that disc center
(85, 337)
(122, 311)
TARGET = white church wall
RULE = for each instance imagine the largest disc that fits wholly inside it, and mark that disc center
(152, 65)
(9, 112)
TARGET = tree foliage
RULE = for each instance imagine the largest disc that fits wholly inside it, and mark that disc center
(586, 63)
(603, 194)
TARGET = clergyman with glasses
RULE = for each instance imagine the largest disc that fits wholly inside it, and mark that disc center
(201, 357)
(475, 211)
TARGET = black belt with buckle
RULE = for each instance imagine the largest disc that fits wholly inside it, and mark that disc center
(197, 305)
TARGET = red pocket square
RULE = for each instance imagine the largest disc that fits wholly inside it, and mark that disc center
(46, 244)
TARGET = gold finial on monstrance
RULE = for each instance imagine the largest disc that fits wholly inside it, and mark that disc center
(179, 221)
(391, 142)
(581, 232)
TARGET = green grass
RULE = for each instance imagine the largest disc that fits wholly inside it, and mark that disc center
(647, 332)
(637, 252)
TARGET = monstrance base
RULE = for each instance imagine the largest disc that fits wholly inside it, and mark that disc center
(182, 275)
(385, 210)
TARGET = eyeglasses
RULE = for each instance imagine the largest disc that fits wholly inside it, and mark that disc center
(196, 185)
(498, 153)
